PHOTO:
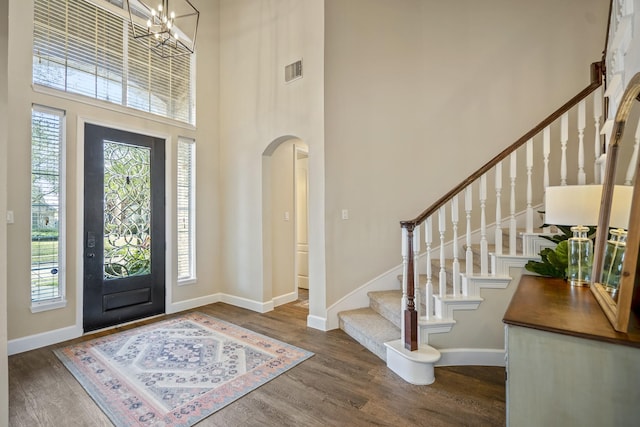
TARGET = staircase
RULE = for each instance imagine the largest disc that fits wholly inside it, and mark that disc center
(447, 306)
(381, 321)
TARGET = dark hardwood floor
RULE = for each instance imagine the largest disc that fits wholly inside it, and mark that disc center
(343, 384)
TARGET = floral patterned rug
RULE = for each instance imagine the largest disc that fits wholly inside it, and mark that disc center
(176, 372)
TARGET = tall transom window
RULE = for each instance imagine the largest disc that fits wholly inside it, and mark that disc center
(87, 48)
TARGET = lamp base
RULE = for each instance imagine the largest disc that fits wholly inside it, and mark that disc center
(580, 253)
(612, 291)
(576, 282)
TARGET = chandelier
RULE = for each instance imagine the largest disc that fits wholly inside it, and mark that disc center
(167, 28)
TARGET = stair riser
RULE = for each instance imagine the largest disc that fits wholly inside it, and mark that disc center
(392, 314)
(376, 348)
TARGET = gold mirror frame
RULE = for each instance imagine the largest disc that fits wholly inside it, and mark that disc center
(628, 297)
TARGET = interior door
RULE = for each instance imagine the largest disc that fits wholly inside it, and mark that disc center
(302, 232)
(124, 227)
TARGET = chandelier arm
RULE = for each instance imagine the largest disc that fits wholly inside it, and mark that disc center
(165, 34)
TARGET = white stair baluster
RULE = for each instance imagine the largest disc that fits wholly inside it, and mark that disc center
(498, 231)
(634, 158)
(405, 273)
(468, 198)
(442, 227)
(597, 114)
(428, 237)
(529, 187)
(546, 151)
(484, 246)
(512, 203)
(456, 261)
(564, 139)
(416, 273)
(582, 177)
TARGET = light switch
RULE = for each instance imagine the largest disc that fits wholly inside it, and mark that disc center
(9, 217)
(345, 214)
(286, 216)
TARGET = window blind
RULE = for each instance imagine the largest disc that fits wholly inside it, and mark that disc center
(85, 49)
(46, 216)
(186, 208)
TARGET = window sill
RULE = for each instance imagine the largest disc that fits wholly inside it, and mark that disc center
(188, 281)
(38, 307)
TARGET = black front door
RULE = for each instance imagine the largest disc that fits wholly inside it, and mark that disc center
(124, 227)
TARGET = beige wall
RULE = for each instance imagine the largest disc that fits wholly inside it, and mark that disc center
(4, 374)
(419, 94)
(22, 322)
(208, 196)
(258, 38)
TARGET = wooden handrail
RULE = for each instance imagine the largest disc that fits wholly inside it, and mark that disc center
(606, 38)
(596, 81)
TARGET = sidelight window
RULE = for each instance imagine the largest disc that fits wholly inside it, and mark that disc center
(186, 210)
(47, 210)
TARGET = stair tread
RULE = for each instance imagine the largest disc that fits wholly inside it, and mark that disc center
(378, 326)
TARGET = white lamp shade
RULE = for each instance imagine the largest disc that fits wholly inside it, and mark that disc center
(621, 209)
(580, 205)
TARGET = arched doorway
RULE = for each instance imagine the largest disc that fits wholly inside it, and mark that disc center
(285, 219)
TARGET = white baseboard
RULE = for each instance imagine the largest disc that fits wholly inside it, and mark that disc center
(285, 299)
(43, 339)
(317, 322)
(260, 307)
(179, 306)
(472, 357)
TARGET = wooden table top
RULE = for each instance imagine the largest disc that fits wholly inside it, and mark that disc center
(553, 305)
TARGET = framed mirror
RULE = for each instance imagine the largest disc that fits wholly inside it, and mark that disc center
(616, 264)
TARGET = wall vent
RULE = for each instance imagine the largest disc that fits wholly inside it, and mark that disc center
(293, 71)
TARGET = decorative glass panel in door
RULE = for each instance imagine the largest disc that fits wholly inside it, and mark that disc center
(127, 203)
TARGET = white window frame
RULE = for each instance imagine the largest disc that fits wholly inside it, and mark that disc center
(191, 277)
(60, 301)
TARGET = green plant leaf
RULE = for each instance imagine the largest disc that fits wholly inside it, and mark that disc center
(562, 253)
(553, 262)
(544, 269)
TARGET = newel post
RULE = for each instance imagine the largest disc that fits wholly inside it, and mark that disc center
(410, 313)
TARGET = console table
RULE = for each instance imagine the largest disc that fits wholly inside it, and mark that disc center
(566, 365)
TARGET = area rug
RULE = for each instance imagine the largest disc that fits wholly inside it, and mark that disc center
(176, 372)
